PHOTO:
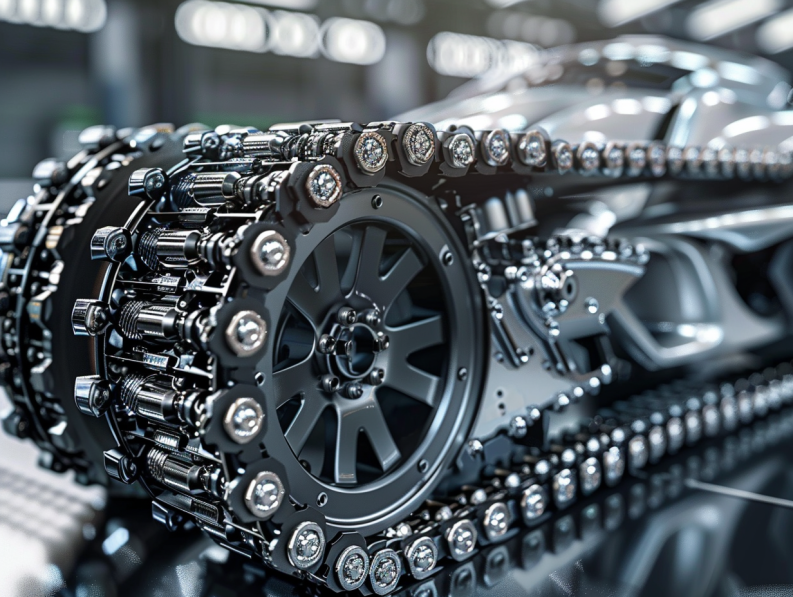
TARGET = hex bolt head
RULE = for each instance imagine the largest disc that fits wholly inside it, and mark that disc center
(306, 545)
(264, 495)
(496, 521)
(270, 253)
(246, 333)
(352, 566)
(422, 556)
(533, 503)
(244, 420)
(461, 539)
(385, 571)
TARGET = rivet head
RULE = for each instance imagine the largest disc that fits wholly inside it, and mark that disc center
(306, 545)
(385, 570)
(352, 566)
(324, 185)
(496, 522)
(422, 556)
(264, 495)
(244, 420)
(461, 538)
(371, 152)
(419, 144)
(246, 333)
(270, 253)
(533, 503)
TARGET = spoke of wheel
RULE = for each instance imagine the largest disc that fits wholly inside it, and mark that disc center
(305, 421)
(314, 302)
(383, 290)
(371, 255)
(327, 271)
(412, 382)
(396, 280)
(410, 338)
(364, 415)
(293, 380)
(305, 298)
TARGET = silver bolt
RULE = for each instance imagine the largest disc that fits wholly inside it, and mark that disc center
(613, 465)
(496, 523)
(533, 503)
(306, 545)
(352, 567)
(324, 185)
(443, 513)
(518, 427)
(512, 481)
(246, 333)
(403, 530)
(478, 496)
(264, 495)
(422, 555)
(326, 344)
(590, 475)
(638, 452)
(592, 305)
(330, 383)
(244, 420)
(372, 318)
(385, 570)
(564, 487)
(347, 316)
(461, 538)
(270, 253)
(475, 448)
(377, 377)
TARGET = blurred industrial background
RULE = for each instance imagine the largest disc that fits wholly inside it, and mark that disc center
(67, 64)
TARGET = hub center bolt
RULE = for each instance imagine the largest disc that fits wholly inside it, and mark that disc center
(347, 316)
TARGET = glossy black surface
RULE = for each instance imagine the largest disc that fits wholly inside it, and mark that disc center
(651, 537)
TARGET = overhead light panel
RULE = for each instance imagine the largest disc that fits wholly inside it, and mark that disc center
(458, 55)
(249, 28)
(719, 17)
(85, 16)
(776, 35)
(353, 41)
(223, 25)
(613, 13)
